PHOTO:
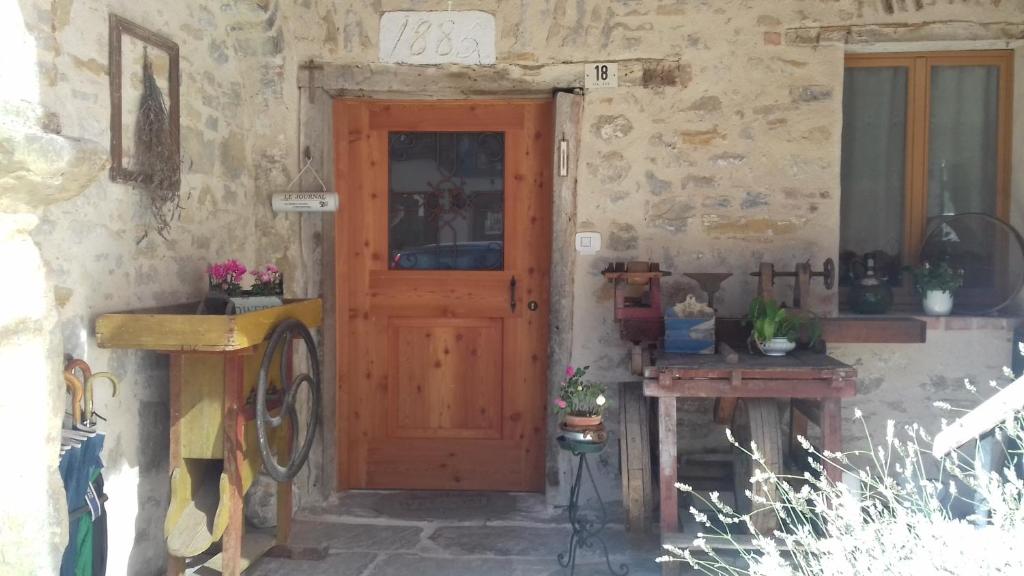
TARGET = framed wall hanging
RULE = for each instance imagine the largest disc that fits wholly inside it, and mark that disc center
(145, 111)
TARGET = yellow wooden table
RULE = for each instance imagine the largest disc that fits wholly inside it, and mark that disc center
(214, 366)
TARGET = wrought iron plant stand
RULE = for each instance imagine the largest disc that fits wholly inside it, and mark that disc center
(587, 526)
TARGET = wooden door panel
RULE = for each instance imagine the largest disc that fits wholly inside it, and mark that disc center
(454, 465)
(427, 358)
(442, 383)
(458, 116)
(440, 294)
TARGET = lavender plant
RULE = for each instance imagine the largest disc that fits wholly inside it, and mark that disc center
(899, 520)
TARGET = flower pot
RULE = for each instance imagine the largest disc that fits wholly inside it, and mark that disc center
(776, 347)
(937, 302)
(243, 304)
(581, 421)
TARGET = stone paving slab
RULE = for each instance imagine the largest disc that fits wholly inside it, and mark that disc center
(336, 564)
(599, 569)
(474, 507)
(414, 565)
(339, 536)
(529, 541)
(450, 534)
(500, 540)
(401, 564)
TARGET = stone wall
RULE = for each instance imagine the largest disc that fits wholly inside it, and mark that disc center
(98, 240)
(727, 154)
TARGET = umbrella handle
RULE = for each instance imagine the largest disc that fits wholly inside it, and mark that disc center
(89, 392)
(77, 392)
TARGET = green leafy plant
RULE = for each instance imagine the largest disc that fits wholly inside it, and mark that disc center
(939, 277)
(769, 320)
(578, 397)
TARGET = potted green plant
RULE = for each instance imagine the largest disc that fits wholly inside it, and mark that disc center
(775, 330)
(580, 402)
(936, 283)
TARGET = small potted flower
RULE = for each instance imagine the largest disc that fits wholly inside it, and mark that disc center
(225, 277)
(226, 295)
(580, 402)
(267, 281)
(936, 283)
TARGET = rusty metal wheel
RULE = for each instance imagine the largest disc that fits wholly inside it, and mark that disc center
(284, 334)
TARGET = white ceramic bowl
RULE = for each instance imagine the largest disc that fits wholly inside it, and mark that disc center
(776, 347)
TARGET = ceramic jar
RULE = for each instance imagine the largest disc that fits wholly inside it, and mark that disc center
(870, 294)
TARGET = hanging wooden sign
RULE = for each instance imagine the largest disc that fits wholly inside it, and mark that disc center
(304, 202)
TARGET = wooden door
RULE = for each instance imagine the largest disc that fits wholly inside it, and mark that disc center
(443, 255)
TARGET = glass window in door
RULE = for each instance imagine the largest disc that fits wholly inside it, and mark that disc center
(446, 200)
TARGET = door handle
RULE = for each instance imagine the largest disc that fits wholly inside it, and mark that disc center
(512, 293)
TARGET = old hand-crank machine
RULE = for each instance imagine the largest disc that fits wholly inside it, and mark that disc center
(244, 395)
(803, 273)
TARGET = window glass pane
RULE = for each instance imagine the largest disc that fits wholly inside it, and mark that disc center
(873, 167)
(962, 139)
(446, 198)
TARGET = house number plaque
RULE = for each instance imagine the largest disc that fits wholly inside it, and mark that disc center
(601, 75)
(442, 37)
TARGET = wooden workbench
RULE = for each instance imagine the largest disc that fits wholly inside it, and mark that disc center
(799, 375)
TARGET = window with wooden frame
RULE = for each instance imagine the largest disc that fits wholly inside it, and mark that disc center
(925, 135)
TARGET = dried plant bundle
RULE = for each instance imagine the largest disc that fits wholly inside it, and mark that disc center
(154, 160)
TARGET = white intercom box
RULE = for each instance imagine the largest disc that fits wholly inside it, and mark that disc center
(588, 242)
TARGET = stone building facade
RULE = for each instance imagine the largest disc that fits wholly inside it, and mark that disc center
(726, 154)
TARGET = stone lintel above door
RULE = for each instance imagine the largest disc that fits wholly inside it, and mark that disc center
(501, 80)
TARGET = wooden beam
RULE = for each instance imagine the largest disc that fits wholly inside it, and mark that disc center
(724, 409)
(985, 417)
(775, 388)
(634, 457)
(874, 330)
(234, 456)
(455, 82)
(832, 434)
(179, 329)
(668, 464)
(810, 409)
(766, 281)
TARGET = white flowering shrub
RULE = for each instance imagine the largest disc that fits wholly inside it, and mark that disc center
(901, 520)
